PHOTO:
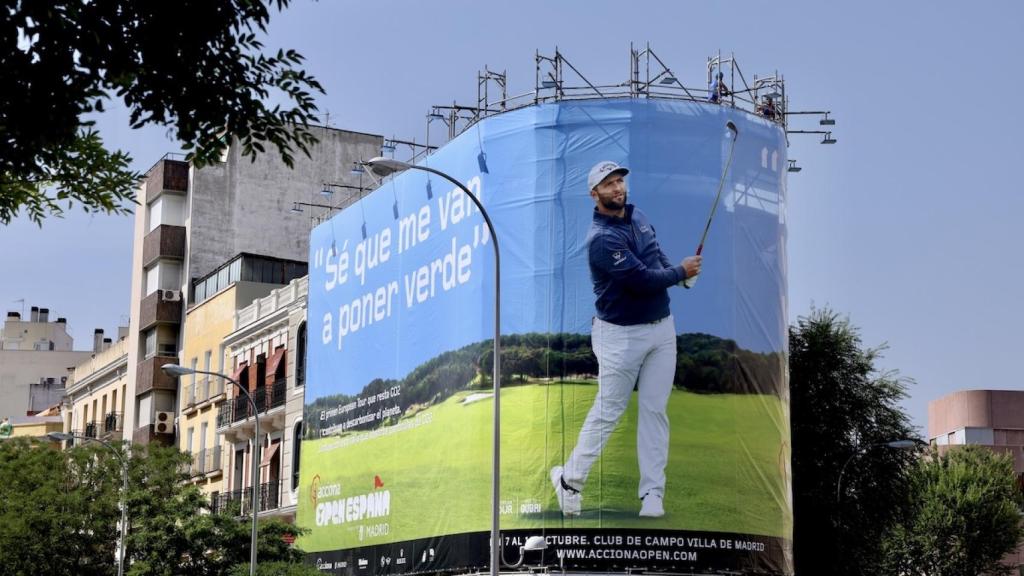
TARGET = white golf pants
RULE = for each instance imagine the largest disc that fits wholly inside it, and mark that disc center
(645, 355)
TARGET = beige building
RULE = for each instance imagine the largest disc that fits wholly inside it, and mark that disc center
(200, 396)
(266, 353)
(36, 357)
(190, 221)
(96, 394)
(990, 418)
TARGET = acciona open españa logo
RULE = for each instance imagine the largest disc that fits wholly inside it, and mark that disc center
(334, 507)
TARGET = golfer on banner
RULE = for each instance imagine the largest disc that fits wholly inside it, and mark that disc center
(633, 337)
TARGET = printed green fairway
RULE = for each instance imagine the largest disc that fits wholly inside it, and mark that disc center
(727, 468)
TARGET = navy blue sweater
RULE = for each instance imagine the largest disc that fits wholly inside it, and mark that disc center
(630, 272)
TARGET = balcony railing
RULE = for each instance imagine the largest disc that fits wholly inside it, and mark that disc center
(266, 398)
(205, 462)
(224, 414)
(239, 501)
(90, 430)
(113, 422)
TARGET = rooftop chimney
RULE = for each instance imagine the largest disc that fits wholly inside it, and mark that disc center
(44, 315)
(34, 317)
(107, 342)
(97, 340)
(62, 320)
(15, 315)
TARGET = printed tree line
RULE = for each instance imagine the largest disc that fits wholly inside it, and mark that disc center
(705, 364)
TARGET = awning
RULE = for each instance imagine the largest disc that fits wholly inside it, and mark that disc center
(238, 373)
(277, 360)
(268, 454)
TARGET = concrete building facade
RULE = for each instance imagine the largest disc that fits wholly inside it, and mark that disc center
(266, 352)
(190, 222)
(36, 358)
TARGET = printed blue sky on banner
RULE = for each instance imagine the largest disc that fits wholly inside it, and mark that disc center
(421, 283)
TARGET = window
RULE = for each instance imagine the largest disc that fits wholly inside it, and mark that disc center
(150, 343)
(296, 443)
(300, 356)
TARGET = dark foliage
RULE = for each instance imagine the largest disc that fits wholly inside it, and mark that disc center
(840, 407)
(194, 65)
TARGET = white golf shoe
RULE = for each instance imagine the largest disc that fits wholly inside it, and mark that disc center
(569, 500)
(652, 506)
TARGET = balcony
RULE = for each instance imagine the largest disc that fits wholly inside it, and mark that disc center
(166, 176)
(266, 398)
(90, 430)
(148, 434)
(237, 502)
(150, 377)
(165, 241)
(206, 463)
(160, 307)
(113, 422)
(203, 392)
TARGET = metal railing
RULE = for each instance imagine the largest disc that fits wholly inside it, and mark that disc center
(265, 398)
(205, 461)
(113, 422)
(91, 429)
(239, 502)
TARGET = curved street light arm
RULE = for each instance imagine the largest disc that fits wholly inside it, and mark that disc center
(496, 377)
(179, 371)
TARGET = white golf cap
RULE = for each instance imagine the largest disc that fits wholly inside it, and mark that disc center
(602, 170)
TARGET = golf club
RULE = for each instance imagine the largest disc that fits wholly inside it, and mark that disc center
(689, 282)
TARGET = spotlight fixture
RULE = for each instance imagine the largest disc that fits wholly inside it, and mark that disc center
(793, 167)
(326, 191)
(670, 79)
(296, 209)
(828, 139)
(357, 169)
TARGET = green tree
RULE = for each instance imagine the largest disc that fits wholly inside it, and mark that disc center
(171, 532)
(196, 66)
(840, 402)
(964, 516)
(59, 514)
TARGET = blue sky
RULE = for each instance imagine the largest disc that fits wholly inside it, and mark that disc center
(907, 224)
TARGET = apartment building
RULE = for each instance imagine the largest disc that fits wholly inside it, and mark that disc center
(190, 221)
(207, 323)
(266, 353)
(96, 393)
(36, 358)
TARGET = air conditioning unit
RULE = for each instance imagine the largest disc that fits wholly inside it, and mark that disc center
(164, 423)
(172, 295)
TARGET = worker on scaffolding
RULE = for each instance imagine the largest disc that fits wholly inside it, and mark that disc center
(719, 90)
(766, 108)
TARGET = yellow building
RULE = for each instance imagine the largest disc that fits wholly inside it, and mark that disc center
(35, 426)
(199, 396)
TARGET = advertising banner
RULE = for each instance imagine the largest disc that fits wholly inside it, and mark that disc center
(644, 425)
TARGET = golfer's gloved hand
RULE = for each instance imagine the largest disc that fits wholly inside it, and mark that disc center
(691, 264)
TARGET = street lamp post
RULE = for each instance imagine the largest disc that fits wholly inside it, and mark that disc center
(62, 436)
(385, 166)
(894, 444)
(176, 371)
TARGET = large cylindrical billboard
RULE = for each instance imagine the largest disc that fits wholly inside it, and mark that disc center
(644, 425)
